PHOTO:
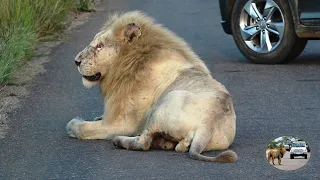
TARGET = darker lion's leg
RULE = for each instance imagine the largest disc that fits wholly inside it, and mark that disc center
(142, 142)
(272, 159)
(269, 157)
(279, 160)
(160, 142)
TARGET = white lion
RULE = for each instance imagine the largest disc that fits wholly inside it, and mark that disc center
(156, 90)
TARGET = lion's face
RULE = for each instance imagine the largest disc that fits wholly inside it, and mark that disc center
(283, 150)
(94, 60)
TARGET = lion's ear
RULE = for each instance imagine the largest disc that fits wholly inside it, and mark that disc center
(131, 32)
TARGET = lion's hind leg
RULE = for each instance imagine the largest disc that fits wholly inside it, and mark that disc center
(138, 143)
(183, 145)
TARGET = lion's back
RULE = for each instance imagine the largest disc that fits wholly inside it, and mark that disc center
(274, 153)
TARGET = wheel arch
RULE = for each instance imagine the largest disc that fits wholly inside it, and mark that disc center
(293, 5)
(226, 8)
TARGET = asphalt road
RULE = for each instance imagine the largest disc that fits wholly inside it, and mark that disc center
(270, 101)
(288, 164)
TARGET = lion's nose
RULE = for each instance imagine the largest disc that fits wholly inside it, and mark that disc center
(78, 63)
(78, 59)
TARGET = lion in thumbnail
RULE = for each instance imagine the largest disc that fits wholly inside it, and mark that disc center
(157, 92)
(276, 154)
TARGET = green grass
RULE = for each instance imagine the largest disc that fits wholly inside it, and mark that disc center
(85, 5)
(16, 46)
(22, 24)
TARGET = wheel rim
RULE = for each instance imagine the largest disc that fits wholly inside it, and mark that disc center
(262, 25)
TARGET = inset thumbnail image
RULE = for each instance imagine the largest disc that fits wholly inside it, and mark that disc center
(288, 152)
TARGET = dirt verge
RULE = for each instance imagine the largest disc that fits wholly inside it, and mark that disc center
(12, 93)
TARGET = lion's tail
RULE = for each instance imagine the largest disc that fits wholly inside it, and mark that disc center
(224, 157)
(200, 141)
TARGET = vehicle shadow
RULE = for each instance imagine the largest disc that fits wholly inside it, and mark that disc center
(307, 59)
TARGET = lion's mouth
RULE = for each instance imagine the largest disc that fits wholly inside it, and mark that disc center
(95, 77)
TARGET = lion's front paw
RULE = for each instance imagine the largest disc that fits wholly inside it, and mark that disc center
(73, 127)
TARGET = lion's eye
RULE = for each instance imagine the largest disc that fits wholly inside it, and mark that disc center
(99, 46)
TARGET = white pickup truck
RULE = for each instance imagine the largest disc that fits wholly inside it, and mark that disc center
(298, 148)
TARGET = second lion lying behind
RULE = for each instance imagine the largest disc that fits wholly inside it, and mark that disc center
(153, 83)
